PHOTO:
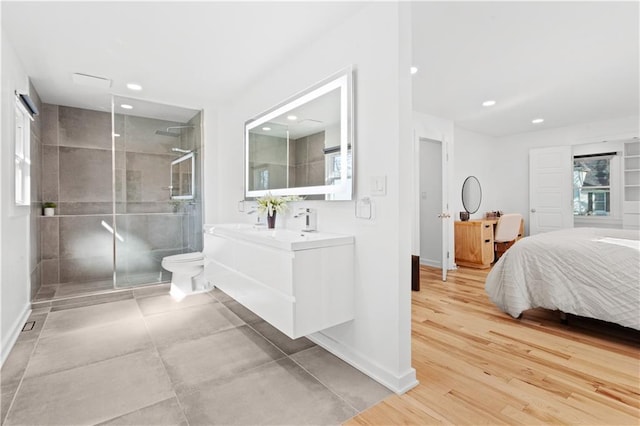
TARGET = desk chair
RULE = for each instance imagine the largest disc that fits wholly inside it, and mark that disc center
(507, 231)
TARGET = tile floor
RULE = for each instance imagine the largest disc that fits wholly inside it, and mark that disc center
(139, 358)
(48, 292)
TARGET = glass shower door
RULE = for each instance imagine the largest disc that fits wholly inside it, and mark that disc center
(149, 223)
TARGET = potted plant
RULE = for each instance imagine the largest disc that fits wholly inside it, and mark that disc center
(176, 204)
(271, 205)
(49, 208)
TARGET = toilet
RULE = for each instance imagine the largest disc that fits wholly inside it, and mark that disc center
(187, 273)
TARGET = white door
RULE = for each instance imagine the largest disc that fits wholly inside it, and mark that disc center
(445, 216)
(434, 218)
(550, 189)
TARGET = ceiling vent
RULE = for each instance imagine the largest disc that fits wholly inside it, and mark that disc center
(91, 80)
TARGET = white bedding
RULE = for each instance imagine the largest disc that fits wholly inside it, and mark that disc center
(589, 272)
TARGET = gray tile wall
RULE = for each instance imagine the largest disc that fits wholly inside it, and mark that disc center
(84, 128)
(147, 163)
(84, 176)
(194, 218)
(76, 173)
(308, 160)
(270, 152)
(35, 255)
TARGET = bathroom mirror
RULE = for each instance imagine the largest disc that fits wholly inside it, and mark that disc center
(182, 177)
(305, 145)
(471, 194)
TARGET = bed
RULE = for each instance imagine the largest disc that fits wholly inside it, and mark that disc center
(590, 272)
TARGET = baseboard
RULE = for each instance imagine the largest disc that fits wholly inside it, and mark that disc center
(10, 339)
(397, 383)
(437, 264)
(432, 263)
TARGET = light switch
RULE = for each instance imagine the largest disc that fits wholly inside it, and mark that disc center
(379, 185)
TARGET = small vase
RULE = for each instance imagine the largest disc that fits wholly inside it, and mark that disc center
(271, 220)
(464, 216)
(49, 211)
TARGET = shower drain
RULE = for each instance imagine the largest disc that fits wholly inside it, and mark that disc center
(28, 326)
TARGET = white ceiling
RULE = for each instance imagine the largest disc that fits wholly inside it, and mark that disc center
(570, 62)
(183, 53)
(566, 62)
(312, 117)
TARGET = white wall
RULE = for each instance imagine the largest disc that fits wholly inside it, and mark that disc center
(377, 42)
(502, 164)
(511, 154)
(474, 156)
(14, 221)
(470, 153)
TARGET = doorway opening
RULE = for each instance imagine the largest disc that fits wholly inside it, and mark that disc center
(433, 204)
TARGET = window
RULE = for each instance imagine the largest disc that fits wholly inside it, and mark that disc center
(22, 155)
(592, 185)
(333, 167)
(261, 177)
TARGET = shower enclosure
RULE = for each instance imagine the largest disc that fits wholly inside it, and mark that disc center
(151, 144)
(111, 175)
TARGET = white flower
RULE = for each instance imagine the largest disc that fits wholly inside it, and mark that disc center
(271, 204)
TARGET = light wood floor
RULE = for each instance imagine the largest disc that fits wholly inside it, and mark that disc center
(477, 365)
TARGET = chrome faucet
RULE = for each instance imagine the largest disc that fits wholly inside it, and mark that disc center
(310, 219)
(258, 223)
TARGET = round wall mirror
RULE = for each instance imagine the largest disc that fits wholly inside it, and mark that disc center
(471, 194)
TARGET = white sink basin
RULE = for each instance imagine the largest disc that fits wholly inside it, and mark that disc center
(285, 239)
(208, 229)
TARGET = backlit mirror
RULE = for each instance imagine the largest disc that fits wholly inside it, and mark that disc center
(471, 194)
(182, 177)
(305, 145)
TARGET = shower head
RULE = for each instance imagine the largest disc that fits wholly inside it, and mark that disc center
(172, 134)
(167, 133)
(183, 151)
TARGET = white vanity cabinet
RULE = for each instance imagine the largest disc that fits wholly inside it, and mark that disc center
(299, 283)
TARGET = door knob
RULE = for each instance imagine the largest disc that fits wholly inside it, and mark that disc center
(533, 210)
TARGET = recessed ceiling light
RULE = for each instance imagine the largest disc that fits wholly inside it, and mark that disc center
(413, 70)
(126, 106)
(134, 86)
(537, 120)
(489, 103)
(266, 129)
(292, 117)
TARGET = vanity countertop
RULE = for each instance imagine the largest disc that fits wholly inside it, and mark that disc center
(280, 238)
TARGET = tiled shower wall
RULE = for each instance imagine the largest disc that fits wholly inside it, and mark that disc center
(308, 160)
(35, 256)
(269, 153)
(77, 175)
(152, 225)
(192, 140)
